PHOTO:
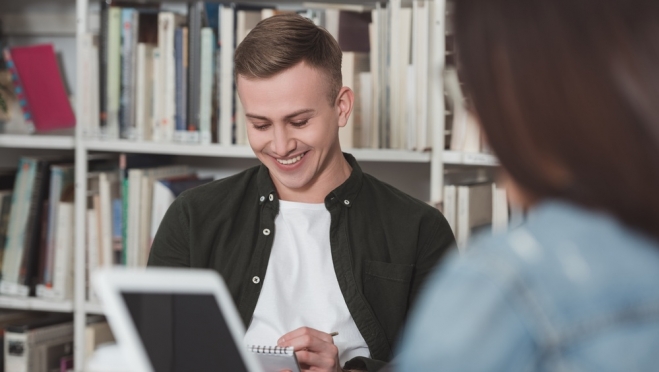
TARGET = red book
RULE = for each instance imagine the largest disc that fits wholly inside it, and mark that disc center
(42, 86)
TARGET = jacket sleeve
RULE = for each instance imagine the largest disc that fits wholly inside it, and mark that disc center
(171, 244)
(364, 364)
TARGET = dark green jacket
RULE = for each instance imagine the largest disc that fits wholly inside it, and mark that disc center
(384, 243)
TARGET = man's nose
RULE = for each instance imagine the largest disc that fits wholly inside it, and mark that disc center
(282, 143)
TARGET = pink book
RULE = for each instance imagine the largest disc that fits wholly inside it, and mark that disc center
(42, 85)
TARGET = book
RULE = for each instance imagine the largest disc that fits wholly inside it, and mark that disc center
(5, 207)
(450, 206)
(474, 210)
(206, 85)
(226, 84)
(364, 132)
(196, 13)
(108, 191)
(89, 116)
(42, 84)
(275, 358)
(165, 191)
(112, 62)
(19, 92)
(245, 21)
(144, 91)
(61, 177)
(499, 208)
(420, 128)
(93, 254)
(37, 345)
(129, 25)
(352, 65)
(19, 264)
(165, 88)
(465, 131)
(96, 334)
(181, 73)
(62, 277)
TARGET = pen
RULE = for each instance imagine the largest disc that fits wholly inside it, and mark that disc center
(334, 334)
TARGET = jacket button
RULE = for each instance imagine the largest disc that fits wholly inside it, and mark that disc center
(266, 231)
(261, 199)
(256, 280)
(346, 202)
(270, 197)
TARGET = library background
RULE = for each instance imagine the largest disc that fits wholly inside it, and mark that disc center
(107, 113)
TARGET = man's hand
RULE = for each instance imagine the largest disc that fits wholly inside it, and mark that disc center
(315, 350)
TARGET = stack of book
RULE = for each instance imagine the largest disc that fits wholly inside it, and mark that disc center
(161, 74)
(125, 207)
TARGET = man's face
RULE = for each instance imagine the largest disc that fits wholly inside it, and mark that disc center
(292, 128)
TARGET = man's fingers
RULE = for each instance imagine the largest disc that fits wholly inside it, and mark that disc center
(309, 358)
(304, 331)
(315, 344)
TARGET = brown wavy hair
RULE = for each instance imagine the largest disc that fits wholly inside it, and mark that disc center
(281, 42)
(567, 92)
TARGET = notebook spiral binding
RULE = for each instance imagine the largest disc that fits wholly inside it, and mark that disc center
(271, 350)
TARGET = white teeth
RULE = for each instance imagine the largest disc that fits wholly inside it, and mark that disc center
(290, 161)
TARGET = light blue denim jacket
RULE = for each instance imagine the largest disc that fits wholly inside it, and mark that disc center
(570, 290)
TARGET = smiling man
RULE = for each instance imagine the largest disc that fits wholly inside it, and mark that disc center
(307, 243)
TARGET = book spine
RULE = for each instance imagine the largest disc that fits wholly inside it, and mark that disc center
(184, 85)
(227, 33)
(141, 102)
(154, 133)
(62, 266)
(128, 33)
(4, 221)
(124, 221)
(194, 70)
(19, 360)
(13, 252)
(29, 261)
(103, 67)
(180, 92)
(206, 85)
(56, 181)
(92, 250)
(113, 72)
(19, 91)
(105, 223)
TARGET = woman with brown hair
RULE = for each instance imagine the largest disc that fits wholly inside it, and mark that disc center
(567, 92)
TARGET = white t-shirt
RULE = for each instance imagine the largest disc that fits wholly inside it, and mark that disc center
(300, 288)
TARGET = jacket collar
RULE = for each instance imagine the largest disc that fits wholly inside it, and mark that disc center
(343, 194)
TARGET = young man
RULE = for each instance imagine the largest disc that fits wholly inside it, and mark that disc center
(307, 243)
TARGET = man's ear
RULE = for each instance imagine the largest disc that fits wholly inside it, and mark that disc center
(344, 104)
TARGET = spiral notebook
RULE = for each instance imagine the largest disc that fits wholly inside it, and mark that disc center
(275, 358)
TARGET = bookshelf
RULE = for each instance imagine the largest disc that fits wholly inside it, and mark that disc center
(35, 304)
(22, 141)
(431, 162)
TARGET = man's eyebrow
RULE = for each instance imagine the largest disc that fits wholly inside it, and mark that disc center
(287, 117)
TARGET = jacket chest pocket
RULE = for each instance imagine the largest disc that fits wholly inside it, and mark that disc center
(387, 289)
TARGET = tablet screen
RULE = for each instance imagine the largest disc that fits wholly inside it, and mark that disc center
(183, 332)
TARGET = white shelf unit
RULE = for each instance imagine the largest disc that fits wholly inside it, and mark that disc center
(47, 142)
(469, 158)
(436, 160)
(94, 308)
(245, 152)
(36, 304)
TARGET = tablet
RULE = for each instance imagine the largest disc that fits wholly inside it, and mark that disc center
(174, 320)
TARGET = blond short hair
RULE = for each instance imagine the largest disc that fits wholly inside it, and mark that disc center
(281, 42)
